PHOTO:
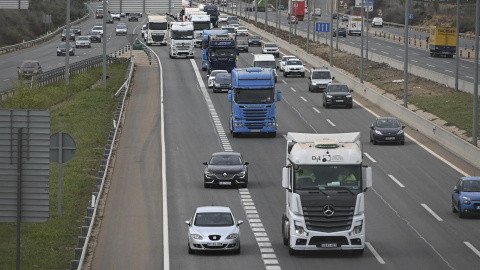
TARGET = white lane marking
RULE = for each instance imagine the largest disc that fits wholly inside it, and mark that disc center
(469, 77)
(6, 80)
(331, 123)
(299, 114)
(316, 110)
(431, 212)
(395, 180)
(430, 65)
(398, 56)
(369, 157)
(448, 71)
(472, 248)
(389, 47)
(303, 99)
(284, 81)
(420, 144)
(415, 61)
(464, 66)
(373, 49)
(448, 62)
(293, 89)
(415, 53)
(375, 253)
(384, 52)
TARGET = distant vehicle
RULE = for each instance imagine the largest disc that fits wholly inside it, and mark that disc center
(232, 19)
(387, 130)
(213, 74)
(64, 35)
(83, 41)
(283, 61)
(317, 12)
(442, 41)
(223, 82)
(76, 29)
(270, 48)
(345, 18)
(265, 61)
(354, 25)
(377, 21)
(242, 45)
(281, 7)
(222, 18)
(297, 8)
(341, 32)
(133, 17)
(466, 196)
(213, 228)
(109, 19)
(144, 30)
(337, 94)
(29, 68)
(335, 16)
(226, 169)
(242, 31)
(319, 79)
(294, 67)
(95, 36)
(121, 30)
(62, 48)
(254, 40)
(230, 29)
(99, 13)
(115, 16)
(99, 29)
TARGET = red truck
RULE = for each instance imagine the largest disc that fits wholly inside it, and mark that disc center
(296, 8)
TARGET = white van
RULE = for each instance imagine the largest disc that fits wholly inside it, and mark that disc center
(265, 61)
(377, 21)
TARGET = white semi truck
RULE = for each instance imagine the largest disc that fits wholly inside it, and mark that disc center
(157, 26)
(325, 183)
(200, 23)
(181, 39)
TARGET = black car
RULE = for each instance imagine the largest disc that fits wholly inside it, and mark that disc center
(64, 35)
(226, 169)
(388, 130)
(337, 94)
(133, 17)
(242, 45)
(254, 40)
(335, 16)
(109, 19)
(76, 29)
(341, 32)
(95, 36)
(223, 82)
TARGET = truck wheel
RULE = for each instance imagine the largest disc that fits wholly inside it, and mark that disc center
(273, 134)
(285, 239)
(358, 252)
(285, 74)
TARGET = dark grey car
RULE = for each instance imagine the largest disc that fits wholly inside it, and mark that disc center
(254, 40)
(223, 82)
(387, 130)
(337, 94)
(29, 68)
(226, 169)
(242, 45)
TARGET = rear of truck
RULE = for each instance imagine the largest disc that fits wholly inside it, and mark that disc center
(443, 41)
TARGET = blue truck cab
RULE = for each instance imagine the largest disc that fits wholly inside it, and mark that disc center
(222, 52)
(253, 99)
(212, 10)
(205, 43)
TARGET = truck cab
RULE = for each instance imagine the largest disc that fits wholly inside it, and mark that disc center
(205, 44)
(222, 52)
(181, 39)
(157, 30)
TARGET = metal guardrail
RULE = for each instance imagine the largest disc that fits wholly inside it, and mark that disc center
(41, 39)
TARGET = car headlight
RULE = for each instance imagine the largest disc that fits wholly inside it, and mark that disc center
(329, 96)
(466, 200)
(378, 132)
(232, 236)
(217, 85)
(400, 132)
(348, 96)
(196, 236)
(58, 50)
(209, 174)
(299, 229)
(314, 83)
(240, 174)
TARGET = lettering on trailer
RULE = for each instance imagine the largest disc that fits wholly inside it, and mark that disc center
(224, 43)
(326, 158)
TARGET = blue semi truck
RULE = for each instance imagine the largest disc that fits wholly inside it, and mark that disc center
(253, 97)
(212, 10)
(222, 52)
(205, 44)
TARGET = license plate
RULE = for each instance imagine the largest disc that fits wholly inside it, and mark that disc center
(214, 244)
(255, 130)
(225, 183)
(389, 138)
(339, 100)
(328, 245)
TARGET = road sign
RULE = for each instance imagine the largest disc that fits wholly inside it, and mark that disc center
(293, 19)
(62, 147)
(322, 27)
(380, 11)
(410, 16)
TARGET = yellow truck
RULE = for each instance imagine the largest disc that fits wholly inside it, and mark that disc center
(443, 41)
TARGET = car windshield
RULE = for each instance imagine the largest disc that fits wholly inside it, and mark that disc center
(226, 160)
(388, 123)
(312, 177)
(254, 37)
(294, 62)
(93, 33)
(241, 28)
(241, 42)
(28, 64)
(213, 219)
(338, 88)
(223, 77)
(187, 35)
(83, 38)
(323, 75)
(270, 45)
(341, 29)
(223, 52)
(254, 96)
(285, 58)
(471, 186)
(121, 27)
(216, 72)
(98, 28)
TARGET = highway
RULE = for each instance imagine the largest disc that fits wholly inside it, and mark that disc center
(409, 218)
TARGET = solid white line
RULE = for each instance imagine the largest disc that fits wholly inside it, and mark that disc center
(464, 66)
(448, 62)
(375, 253)
(315, 109)
(395, 180)
(293, 89)
(369, 157)
(472, 248)
(330, 122)
(398, 56)
(303, 99)
(431, 212)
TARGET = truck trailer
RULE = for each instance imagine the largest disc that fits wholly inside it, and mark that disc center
(296, 8)
(325, 183)
(443, 41)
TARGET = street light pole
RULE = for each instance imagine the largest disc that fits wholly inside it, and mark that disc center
(405, 60)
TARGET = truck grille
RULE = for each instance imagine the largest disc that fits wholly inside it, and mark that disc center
(341, 219)
(157, 38)
(254, 118)
(183, 48)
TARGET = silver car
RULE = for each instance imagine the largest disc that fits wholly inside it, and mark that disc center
(213, 228)
(83, 41)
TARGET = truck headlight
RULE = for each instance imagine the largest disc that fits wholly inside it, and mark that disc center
(329, 96)
(357, 229)
(299, 229)
(238, 124)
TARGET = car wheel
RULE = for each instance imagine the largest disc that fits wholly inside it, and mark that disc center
(285, 74)
(374, 141)
(460, 213)
(237, 251)
(214, 90)
(205, 185)
(371, 140)
(303, 75)
(190, 251)
(454, 210)
(402, 142)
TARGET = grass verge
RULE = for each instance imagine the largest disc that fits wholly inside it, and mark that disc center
(86, 114)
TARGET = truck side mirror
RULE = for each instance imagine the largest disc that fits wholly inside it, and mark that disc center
(333, 78)
(279, 95)
(368, 178)
(230, 95)
(285, 174)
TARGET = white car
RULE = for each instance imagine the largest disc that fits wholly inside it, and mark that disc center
(213, 228)
(234, 25)
(211, 77)
(242, 31)
(121, 30)
(115, 16)
(294, 67)
(270, 48)
(83, 41)
(98, 29)
(284, 59)
(319, 79)
(229, 28)
(222, 18)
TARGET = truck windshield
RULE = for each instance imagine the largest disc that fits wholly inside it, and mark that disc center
(201, 25)
(230, 52)
(264, 64)
(157, 26)
(328, 177)
(182, 34)
(254, 96)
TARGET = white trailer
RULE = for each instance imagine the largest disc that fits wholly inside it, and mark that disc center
(325, 183)
(157, 26)
(181, 39)
(354, 25)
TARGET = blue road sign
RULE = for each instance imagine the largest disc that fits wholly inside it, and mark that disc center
(86, 8)
(410, 16)
(322, 27)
